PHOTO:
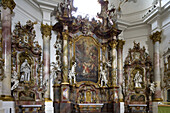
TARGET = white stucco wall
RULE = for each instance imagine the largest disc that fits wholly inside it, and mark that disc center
(138, 34)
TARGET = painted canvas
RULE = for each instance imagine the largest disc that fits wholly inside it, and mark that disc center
(86, 56)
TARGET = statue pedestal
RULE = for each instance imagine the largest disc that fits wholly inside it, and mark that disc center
(137, 107)
(122, 107)
(7, 106)
(49, 107)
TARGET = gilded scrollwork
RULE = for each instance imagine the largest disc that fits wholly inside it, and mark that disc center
(24, 36)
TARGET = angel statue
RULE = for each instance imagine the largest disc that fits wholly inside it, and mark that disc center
(72, 74)
(152, 87)
(14, 79)
(103, 77)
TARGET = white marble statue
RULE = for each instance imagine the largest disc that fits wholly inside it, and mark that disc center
(138, 80)
(103, 78)
(26, 71)
(152, 87)
(14, 79)
(72, 74)
(109, 64)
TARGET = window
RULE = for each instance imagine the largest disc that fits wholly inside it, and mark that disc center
(90, 7)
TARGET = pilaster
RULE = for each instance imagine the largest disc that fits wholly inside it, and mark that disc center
(7, 10)
(46, 35)
(120, 67)
(156, 38)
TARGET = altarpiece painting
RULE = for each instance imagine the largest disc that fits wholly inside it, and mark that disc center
(87, 59)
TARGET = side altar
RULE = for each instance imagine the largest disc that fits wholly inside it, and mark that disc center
(86, 61)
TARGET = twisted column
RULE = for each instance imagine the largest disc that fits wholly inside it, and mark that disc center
(156, 38)
(120, 67)
(7, 10)
(46, 35)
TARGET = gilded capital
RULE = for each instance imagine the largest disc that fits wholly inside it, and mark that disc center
(156, 36)
(113, 44)
(104, 48)
(120, 44)
(46, 30)
(8, 3)
(65, 35)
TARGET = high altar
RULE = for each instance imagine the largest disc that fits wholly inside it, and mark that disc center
(87, 80)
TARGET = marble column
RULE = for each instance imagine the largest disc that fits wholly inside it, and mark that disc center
(65, 105)
(65, 57)
(120, 67)
(104, 54)
(7, 10)
(71, 53)
(114, 63)
(156, 38)
(46, 35)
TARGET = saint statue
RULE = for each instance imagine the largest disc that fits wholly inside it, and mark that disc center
(26, 71)
(138, 80)
(72, 74)
(103, 77)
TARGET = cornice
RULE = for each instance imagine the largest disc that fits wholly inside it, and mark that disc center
(49, 3)
(155, 12)
(152, 15)
(33, 3)
(124, 24)
(47, 8)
